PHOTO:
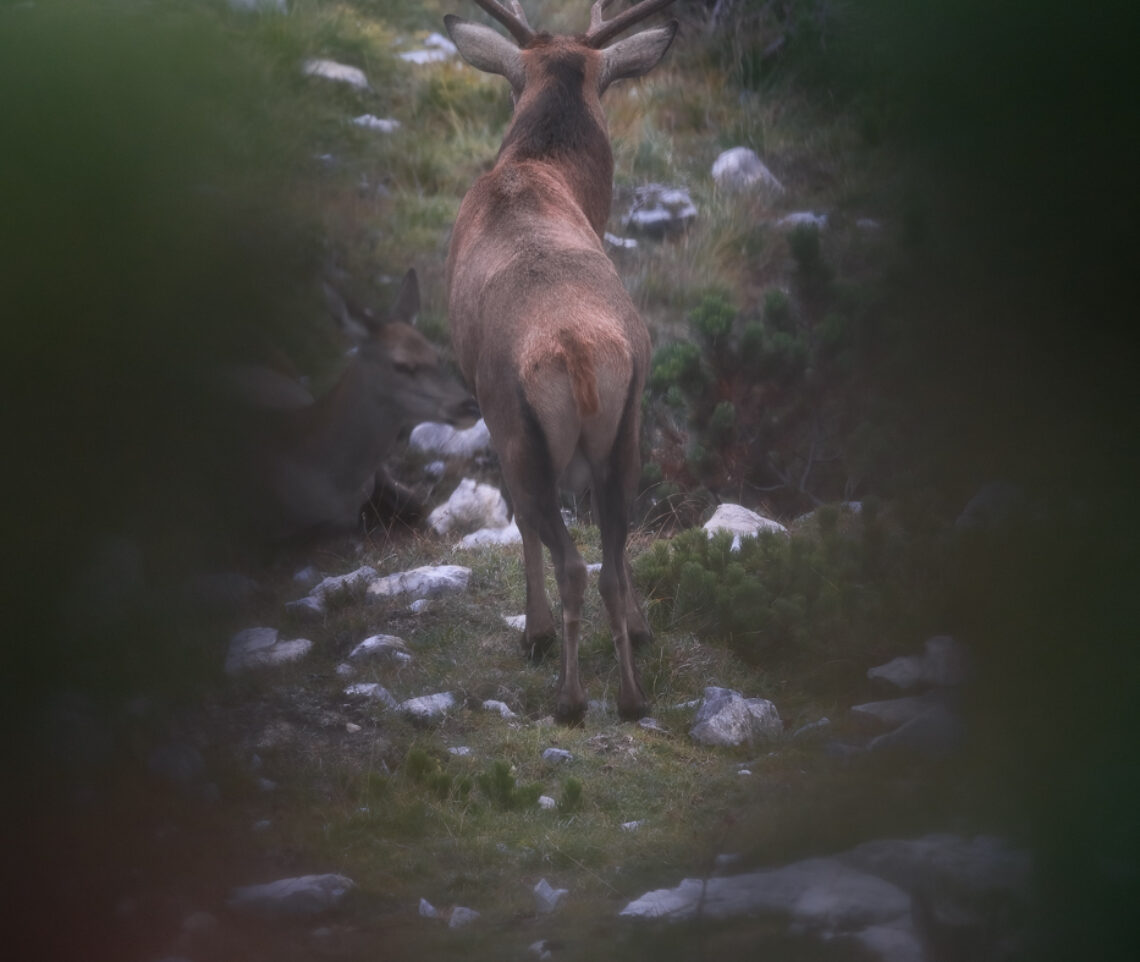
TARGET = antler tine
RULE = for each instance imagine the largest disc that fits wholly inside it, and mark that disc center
(602, 31)
(597, 12)
(515, 21)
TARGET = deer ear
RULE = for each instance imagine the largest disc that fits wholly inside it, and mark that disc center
(635, 55)
(486, 49)
(407, 304)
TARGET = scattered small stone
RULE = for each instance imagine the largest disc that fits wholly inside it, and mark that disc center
(546, 802)
(461, 916)
(260, 648)
(437, 48)
(419, 606)
(660, 211)
(305, 896)
(371, 691)
(625, 243)
(557, 755)
(541, 949)
(345, 670)
(461, 751)
(352, 728)
(652, 725)
(518, 622)
(744, 771)
(387, 647)
(803, 218)
(547, 898)
(342, 73)
(385, 125)
(632, 826)
(428, 708)
(499, 706)
(427, 910)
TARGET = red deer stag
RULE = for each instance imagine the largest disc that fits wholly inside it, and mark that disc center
(317, 462)
(544, 331)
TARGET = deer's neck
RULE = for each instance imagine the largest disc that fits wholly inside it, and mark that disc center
(557, 125)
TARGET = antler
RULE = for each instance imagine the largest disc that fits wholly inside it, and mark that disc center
(602, 31)
(515, 21)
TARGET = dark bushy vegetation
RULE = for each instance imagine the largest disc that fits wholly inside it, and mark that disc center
(848, 583)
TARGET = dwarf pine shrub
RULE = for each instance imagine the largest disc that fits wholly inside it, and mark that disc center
(839, 585)
(677, 364)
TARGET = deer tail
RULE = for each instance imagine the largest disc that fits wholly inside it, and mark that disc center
(583, 375)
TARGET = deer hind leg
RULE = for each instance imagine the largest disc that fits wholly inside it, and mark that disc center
(540, 522)
(616, 589)
(640, 634)
(539, 633)
(531, 479)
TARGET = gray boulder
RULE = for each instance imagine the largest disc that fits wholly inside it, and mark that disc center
(726, 717)
(944, 662)
(443, 440)
(902, 900)
(471, 507)
(262, 648)
(387, 648)
(302, 897)
(741, 522)
(740, 168)
(428, 708)
(429, 581)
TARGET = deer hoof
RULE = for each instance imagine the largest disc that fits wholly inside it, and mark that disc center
(570, 713)
(633, 711)
(535, 647)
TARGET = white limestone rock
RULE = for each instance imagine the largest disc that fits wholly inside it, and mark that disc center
(429, 581)
(382, 648)
(472, 506)
(428, 708)
(726, 717)
(432, 437)
(741, 522)
(740, 168)
(262, 648)
(339, 72)
(547, 898)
